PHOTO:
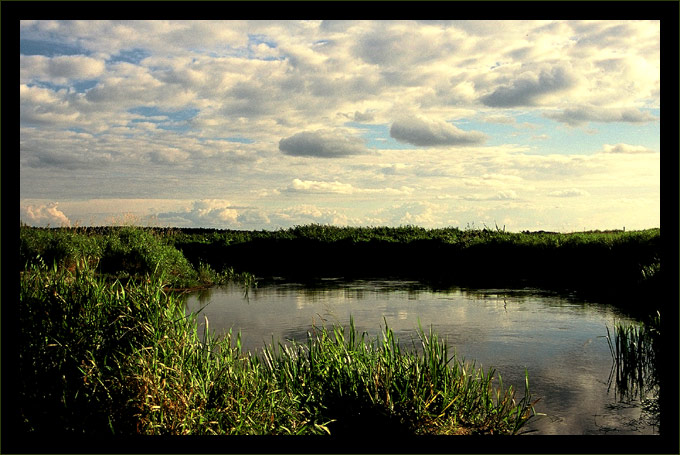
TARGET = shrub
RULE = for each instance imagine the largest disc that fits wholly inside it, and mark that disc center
(132, 251)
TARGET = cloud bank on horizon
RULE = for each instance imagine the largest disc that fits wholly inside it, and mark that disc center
(269, 124)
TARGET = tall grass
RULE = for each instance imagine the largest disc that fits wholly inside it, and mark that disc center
(107, 357)
(609, 264)
(122, 357)
(635, 349)
(121, 253)
(372, 386)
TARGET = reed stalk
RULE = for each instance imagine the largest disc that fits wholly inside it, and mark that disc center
(635, 353)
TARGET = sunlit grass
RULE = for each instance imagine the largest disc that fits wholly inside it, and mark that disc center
(362, 385)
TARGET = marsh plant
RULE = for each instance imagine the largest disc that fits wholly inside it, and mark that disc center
(102, 356)
(356, 385)
(123, 253)
(635, 349)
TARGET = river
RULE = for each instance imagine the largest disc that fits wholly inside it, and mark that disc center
(559, 340)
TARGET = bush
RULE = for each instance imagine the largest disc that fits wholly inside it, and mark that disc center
(132, 251)
(63, 246)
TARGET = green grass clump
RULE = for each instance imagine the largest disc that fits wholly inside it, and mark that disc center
(133, 252)
(121, 252)
(363, 386)
(98, 357)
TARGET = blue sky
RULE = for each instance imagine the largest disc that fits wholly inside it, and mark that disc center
(533, 125)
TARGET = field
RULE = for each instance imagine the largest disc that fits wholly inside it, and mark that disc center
(105, 347)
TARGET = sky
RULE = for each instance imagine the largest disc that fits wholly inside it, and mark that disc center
(527, 125)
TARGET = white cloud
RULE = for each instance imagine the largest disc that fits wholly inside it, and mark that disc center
(403, 44)
(335, 187)
(168, 156)
(197, 110)
(309, 213)
(59, 70)
(218, 213)
(495, 180)
(583, 114)
(499, 196)
(312, 186)
(41, 106)
(529, 88)
(43, 215)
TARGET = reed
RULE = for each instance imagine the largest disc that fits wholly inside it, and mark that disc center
(353, 385)
(124, 358)
(635, 350)
(122, 252)
(100, 357)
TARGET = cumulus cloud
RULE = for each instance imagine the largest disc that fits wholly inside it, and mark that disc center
(494, 180)
(42, 106)
(625, 148)
(529, 88)
(425, 213)
(358, 116)
(60, 70)
(102, 113)
(322, 144)
(168, 156)
(205, 213)
(427, 133)
(402, 45)
(43, 215)
(309, 213)
(583, 114)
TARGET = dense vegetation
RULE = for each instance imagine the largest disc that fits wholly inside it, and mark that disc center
(618, 267)
(120, 253)
(612, 263)
(100, 357)
(104, 347)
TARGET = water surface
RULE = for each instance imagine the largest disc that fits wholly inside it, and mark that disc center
(560, 341)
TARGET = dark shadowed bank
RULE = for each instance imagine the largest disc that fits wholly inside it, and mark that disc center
(616, 266)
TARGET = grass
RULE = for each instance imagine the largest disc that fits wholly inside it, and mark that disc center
(636, 351)
(121, 253)
(102, 356)
(372, 386)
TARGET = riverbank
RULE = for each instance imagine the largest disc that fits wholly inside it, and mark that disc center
(104, 347)
(604, 265)
(611, 265)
